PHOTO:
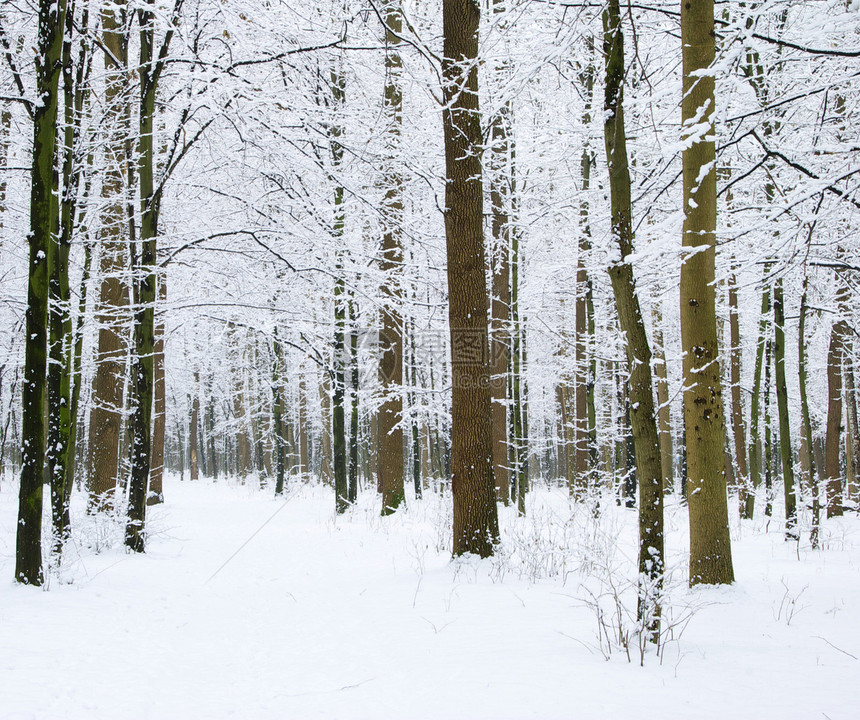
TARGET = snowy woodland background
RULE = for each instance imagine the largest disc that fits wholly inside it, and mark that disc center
(274, 153)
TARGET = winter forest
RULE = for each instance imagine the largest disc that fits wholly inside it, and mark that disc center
(429, 358)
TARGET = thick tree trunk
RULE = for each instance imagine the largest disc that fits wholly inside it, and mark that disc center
(109, 380)
(710, 543)
(476, 524)
(28, 544)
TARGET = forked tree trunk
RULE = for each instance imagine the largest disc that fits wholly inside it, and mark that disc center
(710, 543)
(476, 524)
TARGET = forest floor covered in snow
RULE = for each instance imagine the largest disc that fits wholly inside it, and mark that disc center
(251, 606)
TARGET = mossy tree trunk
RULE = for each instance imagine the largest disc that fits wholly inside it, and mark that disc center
(710, 543)
(649, 469)
(43, 211)
(785, 452)
(476, 524)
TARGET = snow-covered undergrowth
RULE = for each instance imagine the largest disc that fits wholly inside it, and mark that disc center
(251, 606)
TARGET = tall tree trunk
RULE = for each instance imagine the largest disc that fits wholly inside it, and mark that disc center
(649, 469)
(106, 416)
(851, 437)
(519, 390)
(476, 523)
(28, 544)
(214, 461)
(710, 543)
(352, 470)
(738, 426)
(755, 464)
(413, 412)
(786, 455)
(832, 471)
(664, 418)
(583, 420)
(341, 490)
(768, 432)
(304, 449)
(500, 273)
(390, 435)
(806, 436)
(156, 473)
(194, 431)
(278, 413)
(60, 450)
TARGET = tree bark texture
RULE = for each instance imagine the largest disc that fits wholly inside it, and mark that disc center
(390, 432)
(476, 524)
(43, 210)
(649, 469)
(109, 379)
(710, 544)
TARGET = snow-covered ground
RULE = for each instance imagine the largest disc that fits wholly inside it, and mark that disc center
(249, 606)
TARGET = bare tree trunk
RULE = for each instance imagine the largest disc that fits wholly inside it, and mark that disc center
(192, 432)
(738, 425)
(832, 472)
(109, 380)
(785, 451)
(710, 543)
(156, 473)
(664, 418)
(390, 433)
(583, 449)
(43, 211)
(476, 524)
(649, 468)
